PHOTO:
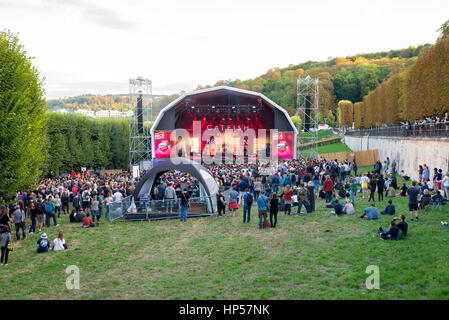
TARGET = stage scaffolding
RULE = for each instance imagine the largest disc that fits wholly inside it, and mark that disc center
(141, 102)
(307, 97)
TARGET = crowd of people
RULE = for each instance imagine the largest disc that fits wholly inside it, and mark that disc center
(431, 126)
(288, 187)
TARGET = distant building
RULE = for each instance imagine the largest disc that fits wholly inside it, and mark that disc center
(86, 113)
(101, 113)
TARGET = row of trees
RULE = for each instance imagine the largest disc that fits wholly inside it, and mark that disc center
(76, 141)
(418, 92)
(23, 118)
(35, 142)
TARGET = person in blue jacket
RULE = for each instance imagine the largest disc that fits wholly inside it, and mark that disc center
(390, 209)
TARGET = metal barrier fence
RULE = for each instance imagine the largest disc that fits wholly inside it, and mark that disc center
(423, 130)
(147, 209)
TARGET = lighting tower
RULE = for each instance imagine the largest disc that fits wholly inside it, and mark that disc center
(141, 103)
(307, 96)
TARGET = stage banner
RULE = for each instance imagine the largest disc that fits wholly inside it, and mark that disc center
(285, 145)
(162, 144)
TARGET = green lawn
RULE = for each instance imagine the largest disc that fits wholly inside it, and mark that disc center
(309, 257)
(335, 147)
(321, 134)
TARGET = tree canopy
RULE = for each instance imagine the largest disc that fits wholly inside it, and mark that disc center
(23, 117)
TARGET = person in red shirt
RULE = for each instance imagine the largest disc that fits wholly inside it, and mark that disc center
(328, 188)
(288, 199)
(87, 221)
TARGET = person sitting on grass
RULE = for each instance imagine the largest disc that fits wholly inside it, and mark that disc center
(59, 243)
(338, 209)
(87, 222)
(333, 201)
(390, 209)
(404, 175)
(402, 225)
(403, 192)
(43, 244)
(342, 192)
(348, 207)
(391, 233)
(370, 213)
(437, 198)
(424, 199)
(391, 191)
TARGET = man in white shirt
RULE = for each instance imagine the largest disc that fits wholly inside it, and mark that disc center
(117, 197)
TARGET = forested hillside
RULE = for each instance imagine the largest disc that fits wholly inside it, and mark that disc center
(349, 78)
(418, 92)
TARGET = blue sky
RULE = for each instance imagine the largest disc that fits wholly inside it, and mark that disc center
(95, 46)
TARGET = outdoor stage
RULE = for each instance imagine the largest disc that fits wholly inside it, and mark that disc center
(227, 121)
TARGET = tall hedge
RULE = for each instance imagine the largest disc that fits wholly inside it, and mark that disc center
(420, 91)
(77, 141)
(22, 118)
(345, 113)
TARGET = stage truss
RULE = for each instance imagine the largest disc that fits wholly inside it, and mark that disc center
(140, 142)
(307, 96)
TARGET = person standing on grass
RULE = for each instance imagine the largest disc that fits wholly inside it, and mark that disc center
(274, 209)
(33, 215)
(257, 188)
(380, 188)
(40, 206)
(354, 167)
(58, 204)
(185, 202)
(233, 200)
(65, 200)
(303, 199)
(412, 193)
(94, 209)
(169, 196)
(287, 192)
(247, 203)
(108, 202)
(262, 203)
(50, 212)
(372, 188)
(77, 202)
(19, 221)
(311, 196)
(221, 204)
(328, 188)
(5, 235)
(364, 180)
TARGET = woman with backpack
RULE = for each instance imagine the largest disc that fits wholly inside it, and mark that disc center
(50, 212)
